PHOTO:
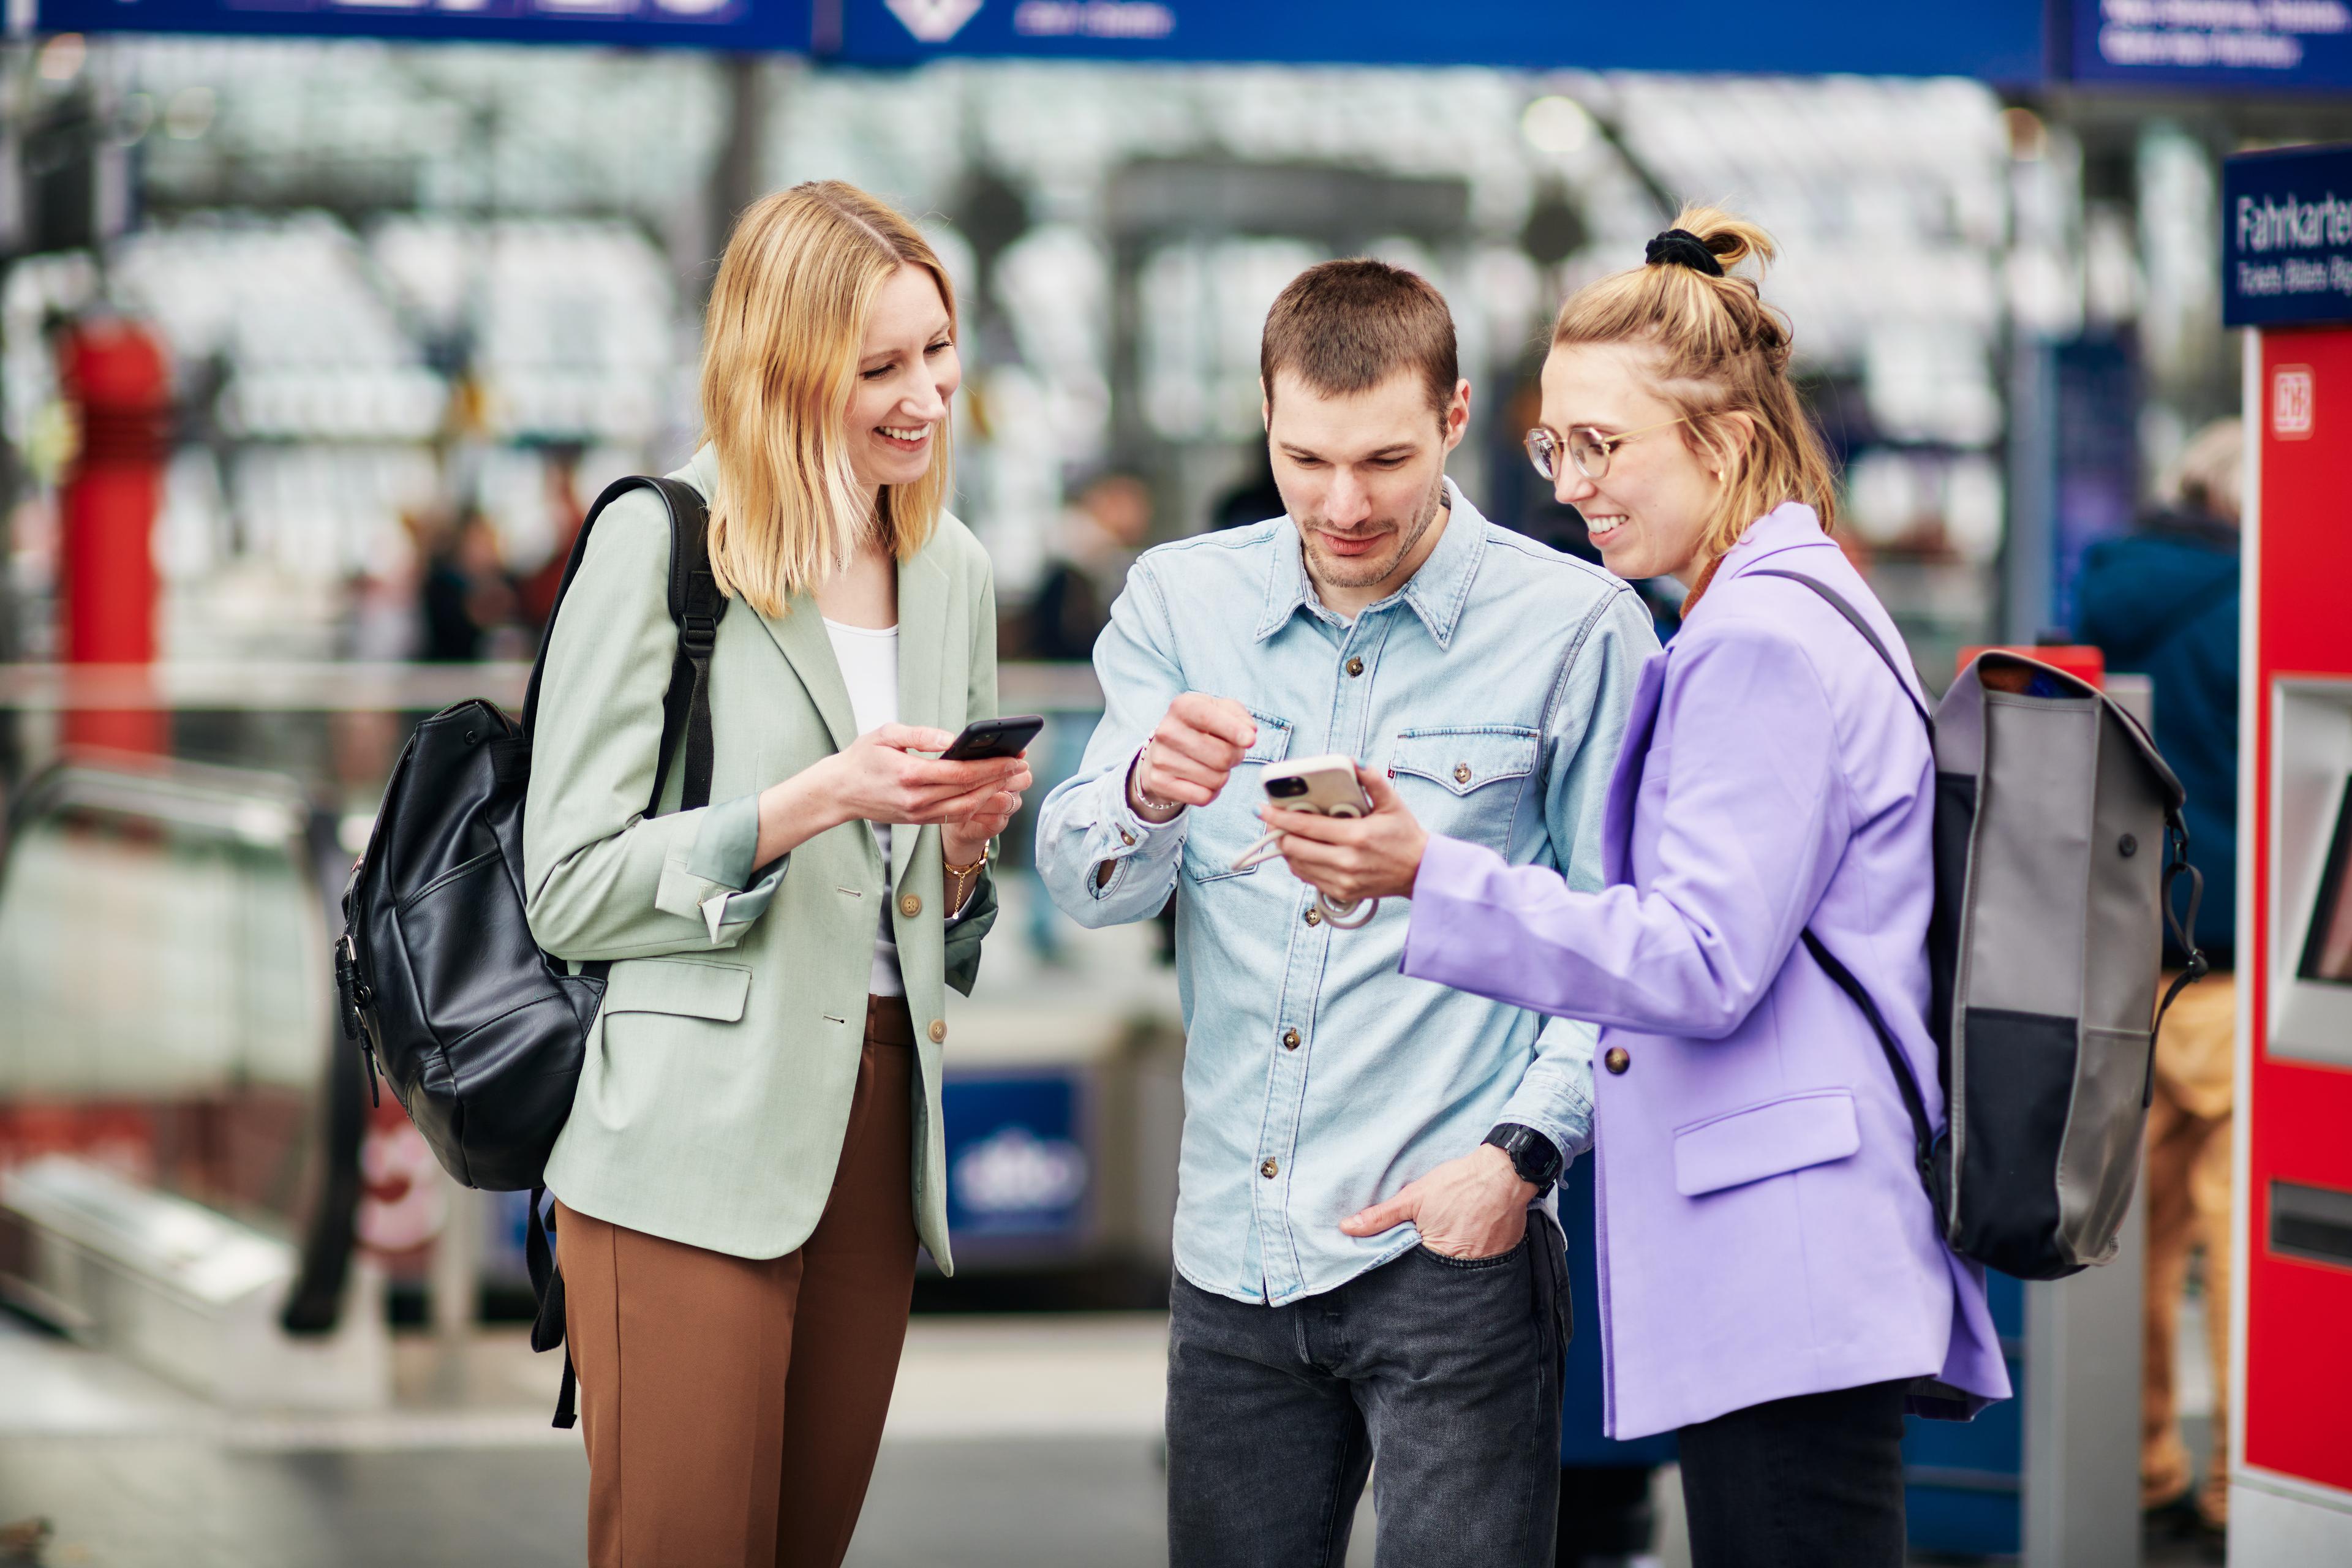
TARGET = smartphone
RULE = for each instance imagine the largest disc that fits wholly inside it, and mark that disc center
(985, 738)
(1325, 786)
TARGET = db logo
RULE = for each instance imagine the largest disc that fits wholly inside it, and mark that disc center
(2291, 399)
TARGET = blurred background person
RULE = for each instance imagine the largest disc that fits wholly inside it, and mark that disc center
(2163, 602)
(565, 511)
(1101, 533)
(468, 594)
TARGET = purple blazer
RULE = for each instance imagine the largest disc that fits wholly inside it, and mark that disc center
(1763, 1229)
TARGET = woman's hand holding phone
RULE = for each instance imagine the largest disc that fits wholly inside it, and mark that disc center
(1349, 860)
(881, 777)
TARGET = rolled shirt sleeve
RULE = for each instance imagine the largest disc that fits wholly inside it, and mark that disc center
(1086, 822)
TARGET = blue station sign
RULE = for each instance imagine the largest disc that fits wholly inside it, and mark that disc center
(2286, 236)
(749, 25)
(2259, 46)
(1998, 40)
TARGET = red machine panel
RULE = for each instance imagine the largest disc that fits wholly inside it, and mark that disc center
(2297, 1119)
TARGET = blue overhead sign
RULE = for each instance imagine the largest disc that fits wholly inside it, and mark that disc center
(1999, 40)
(2260, 45)
(732, 25)
(2286, 236)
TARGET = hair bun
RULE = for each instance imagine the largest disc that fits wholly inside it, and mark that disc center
(1681, 248)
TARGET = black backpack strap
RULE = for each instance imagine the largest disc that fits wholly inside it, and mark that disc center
(1922, 1134)
(2184, 933)
(695, 608)
(547, 1284)
(1837, 602)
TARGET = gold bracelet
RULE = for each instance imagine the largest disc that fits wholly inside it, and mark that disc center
(961, 879)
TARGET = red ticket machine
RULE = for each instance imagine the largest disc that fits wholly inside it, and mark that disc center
(2287, 261)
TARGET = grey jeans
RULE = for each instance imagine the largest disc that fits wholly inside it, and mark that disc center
(1447, 1372)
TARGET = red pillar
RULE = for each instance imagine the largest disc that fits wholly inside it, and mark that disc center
(115, 376)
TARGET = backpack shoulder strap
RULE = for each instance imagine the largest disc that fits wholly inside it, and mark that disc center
(695, 606)
(1922, 1134)
(1837, 602)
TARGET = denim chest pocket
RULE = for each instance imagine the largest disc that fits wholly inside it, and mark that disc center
(1216, 834)
(1465, 780)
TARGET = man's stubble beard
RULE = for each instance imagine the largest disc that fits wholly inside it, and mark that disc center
(1342, 574)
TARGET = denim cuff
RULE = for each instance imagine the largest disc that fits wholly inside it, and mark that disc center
(1121, 832)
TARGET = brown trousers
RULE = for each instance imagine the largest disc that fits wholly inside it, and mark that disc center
(733, 1407)
(2188, 1208)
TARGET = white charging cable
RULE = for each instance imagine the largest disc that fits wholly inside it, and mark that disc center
(1344, 915)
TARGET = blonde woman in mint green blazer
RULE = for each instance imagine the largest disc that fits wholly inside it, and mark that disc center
(755, 1150)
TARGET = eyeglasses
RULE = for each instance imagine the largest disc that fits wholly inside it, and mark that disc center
(1588, 448)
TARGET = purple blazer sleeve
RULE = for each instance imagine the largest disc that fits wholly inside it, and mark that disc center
(1730, 854)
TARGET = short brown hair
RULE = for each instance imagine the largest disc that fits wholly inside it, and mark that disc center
(1345, 327)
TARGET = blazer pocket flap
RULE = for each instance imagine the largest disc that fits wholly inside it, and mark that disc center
(669, 985)
(1465, 757)
(1767, 1140)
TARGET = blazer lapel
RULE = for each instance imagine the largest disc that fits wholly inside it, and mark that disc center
(922, 652)
(799, 634)
(1625, 784)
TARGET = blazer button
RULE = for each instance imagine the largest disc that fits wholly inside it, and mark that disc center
(1315, 917)
(938, 1031)
(1616, 1060)
(1269, 1169)
(1289, 1039)
(910, 906)
(1355, 666)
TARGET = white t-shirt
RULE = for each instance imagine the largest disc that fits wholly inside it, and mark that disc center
(869, 668)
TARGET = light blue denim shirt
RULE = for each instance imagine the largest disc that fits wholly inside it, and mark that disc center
(1493, 687)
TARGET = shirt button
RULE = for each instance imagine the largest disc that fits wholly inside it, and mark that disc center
(1616, 1060)
(1462, 772)
(1355, 666)
(1289, 1039)
(910, 906)
(1269, 1169)
(1127, 838)
(1315, 917)
(938, 1031)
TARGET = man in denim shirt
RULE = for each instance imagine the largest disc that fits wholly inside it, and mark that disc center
(1490, 677)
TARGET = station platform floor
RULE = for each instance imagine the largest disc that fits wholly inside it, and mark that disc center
(1032, 1441)
(1014, 1442)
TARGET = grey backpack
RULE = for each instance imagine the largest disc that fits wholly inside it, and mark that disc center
(2058, 838)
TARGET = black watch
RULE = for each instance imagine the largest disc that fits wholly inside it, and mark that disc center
(1534, 1156)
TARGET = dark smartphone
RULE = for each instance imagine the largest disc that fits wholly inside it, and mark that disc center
(985, 738)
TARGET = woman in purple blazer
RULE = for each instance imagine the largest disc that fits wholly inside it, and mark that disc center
(1772, 1282)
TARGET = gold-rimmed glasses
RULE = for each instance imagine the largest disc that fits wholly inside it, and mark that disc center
(1588, 448)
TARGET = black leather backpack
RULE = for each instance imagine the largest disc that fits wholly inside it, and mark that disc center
(481, 1033)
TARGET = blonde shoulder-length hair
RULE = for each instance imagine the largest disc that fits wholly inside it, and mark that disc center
(781, 345)
(1717, 352)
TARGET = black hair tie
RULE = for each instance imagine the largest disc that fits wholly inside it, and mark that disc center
(1681, 248)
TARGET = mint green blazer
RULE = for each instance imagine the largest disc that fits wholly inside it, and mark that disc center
(716, 1092)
